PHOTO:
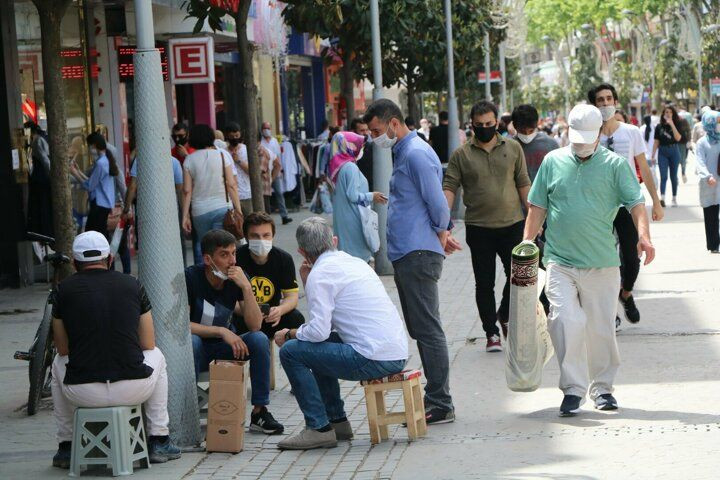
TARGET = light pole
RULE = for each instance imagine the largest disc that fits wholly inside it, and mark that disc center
(453, 120)
(486, 47)
(382, 159)
(708, 29)
(653, 95)
(160, 260)
(503, 85)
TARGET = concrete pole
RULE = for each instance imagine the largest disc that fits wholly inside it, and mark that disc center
(160, 260)
(503, 88)
(699, 76)
(486, 47)
(382, 157)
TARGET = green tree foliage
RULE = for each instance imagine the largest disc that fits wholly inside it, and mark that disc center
(583, 75)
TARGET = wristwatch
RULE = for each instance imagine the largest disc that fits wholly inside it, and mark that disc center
(287, 336)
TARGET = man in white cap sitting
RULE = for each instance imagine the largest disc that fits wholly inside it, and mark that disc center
(579, 188)
(106, 353)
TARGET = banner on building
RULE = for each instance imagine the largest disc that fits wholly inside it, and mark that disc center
(192, 60)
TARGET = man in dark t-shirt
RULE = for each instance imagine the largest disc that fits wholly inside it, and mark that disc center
(272, 275)
(106, 353)
(216, 290)
(439, 138)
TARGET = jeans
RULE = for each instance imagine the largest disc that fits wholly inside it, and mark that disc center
(277, 186)
(668, 160)
(484, 244)
(416, 278)
(712, 226)
(314, 369)
(202, 224)
(628, 239)
(205, 351)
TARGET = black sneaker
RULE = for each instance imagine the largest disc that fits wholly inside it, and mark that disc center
(286, 220)
(606, 402)
(439, 415)
(570, 406)
(62, 457)
(631, 311)
(618, 321)
(161, 451)
(264, 422)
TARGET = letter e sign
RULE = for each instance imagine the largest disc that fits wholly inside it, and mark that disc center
(192, 60)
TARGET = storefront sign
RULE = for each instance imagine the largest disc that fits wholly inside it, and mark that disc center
(494, 76)
(715, 86)
(126, 67)
(191, 60)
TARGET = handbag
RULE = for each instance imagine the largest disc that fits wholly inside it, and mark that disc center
(369, 220)
(233, 220)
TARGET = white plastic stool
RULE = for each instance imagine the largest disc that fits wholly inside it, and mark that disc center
(112, 436)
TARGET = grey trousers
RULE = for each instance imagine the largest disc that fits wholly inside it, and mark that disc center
(416, 277)
(277, 188)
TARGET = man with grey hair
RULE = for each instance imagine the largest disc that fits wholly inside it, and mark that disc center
(418, 237)
(354, 332)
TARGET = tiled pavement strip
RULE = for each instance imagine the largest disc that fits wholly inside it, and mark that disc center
(350, 460)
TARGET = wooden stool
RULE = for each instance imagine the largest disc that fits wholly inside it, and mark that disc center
(414, 415)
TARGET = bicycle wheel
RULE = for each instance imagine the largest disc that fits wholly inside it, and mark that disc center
(39, 362)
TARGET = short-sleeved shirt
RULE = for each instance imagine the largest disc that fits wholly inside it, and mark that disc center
(626, 141)
(206, 169)
(535, 152)
(240, 157)
(100, 310)
(270, 280)
(490, 182)
(664, 134)
(177, 170)
(209, 306)
(582, 200)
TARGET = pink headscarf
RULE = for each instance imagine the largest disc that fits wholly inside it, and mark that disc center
(346, 147)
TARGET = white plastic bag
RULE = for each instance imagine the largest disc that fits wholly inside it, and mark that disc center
(529, 346)
(369, 219)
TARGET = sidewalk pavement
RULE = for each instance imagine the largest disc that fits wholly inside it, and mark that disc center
(668, 425)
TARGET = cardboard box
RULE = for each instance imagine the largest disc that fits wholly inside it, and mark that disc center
(226, 408)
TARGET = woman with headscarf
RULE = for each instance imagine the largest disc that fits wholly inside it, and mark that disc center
(351, 190)
(708, 169)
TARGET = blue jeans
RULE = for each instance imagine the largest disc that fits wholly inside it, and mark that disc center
(314, 369)
(205, 351)
(277, 186)
(668, 161)
(204, 223)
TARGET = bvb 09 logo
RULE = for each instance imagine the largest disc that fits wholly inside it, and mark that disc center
(263, 289)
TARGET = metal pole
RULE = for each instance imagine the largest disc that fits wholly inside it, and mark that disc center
(161, 256)
(503, 88)
(486, 47)
(382, 157)
(453, 120)
(699, 75)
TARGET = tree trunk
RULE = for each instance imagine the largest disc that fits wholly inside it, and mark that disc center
(461, 109)
(248, 106)
(413, 110)
(51, 13)
(347, 83)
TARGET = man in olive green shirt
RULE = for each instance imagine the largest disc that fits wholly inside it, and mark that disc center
(579, 189)
(492, 172)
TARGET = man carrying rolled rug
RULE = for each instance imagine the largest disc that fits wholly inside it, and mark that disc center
(579, 188)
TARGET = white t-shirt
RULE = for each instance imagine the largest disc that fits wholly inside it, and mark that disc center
(626, 142)
(243, 179)
(206, 169)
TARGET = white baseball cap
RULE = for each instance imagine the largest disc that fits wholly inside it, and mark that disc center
(90, 247)
(584, 124)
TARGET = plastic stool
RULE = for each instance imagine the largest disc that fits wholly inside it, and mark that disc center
(112, 436)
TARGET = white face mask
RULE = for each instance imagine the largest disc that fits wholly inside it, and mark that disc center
(266, 133)
(582, 150)
(527, 138)
(260, 248)
(384, 141)
(607, 112)
(217, 272)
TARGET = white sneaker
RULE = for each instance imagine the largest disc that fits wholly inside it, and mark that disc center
(674, 202)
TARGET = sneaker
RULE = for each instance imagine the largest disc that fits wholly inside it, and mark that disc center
(343, 430)
(715, 251)
(631, 311)
(606, 402)
(503, 325)
(161, 451)
(493, 344)
(618, 321)
(286, 220)
(264, 422)
(570, 406)
(662, 202)
(674, 202)
(435, 416)
(684, 178)
(309, 439)
(62, 457)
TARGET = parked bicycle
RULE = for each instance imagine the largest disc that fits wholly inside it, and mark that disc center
(42, 351)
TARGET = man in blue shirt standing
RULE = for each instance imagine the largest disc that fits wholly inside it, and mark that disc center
(417, 233)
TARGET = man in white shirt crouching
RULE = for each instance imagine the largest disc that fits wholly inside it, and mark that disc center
(354, 332)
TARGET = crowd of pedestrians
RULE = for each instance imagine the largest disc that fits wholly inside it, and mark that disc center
(573, 189)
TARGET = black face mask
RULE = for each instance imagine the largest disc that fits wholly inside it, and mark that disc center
(234, 142)
(484, 134)
(179, 139)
